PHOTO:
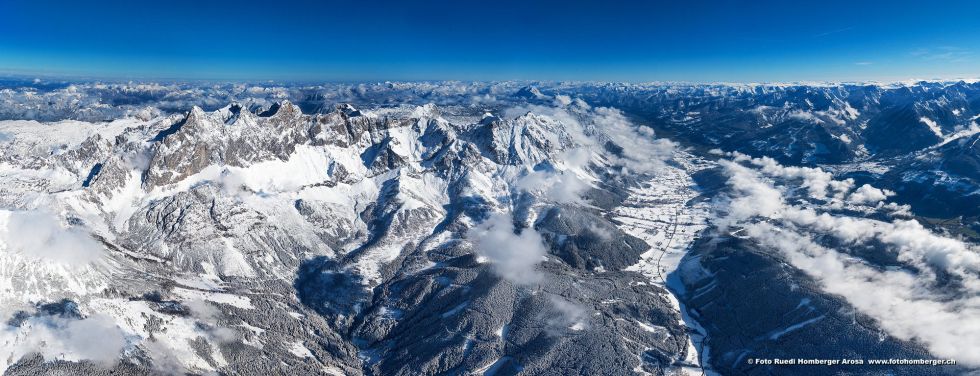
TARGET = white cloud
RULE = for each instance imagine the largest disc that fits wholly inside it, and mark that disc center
(96, 338)
(560, 187)
(867, 194)
(209, 314)
(641, 151)
(590, 127)
(753, 195)
(600, 232)
(933, 126)
(905, 303)
(817, 181)
(40, 234)
(203, 310)
(901, 301)
(562, 100)
(805, 116)
(570, 121)
(569, 315)
(513, 255)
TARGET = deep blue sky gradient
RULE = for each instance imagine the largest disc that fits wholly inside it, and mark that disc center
(491, 40)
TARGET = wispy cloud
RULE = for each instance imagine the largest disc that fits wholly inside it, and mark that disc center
(835, 31)
(863, 63)
(949, 54)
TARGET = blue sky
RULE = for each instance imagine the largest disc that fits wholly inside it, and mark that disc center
(491, 40)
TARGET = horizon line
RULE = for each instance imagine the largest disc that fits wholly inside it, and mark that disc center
(67, 77)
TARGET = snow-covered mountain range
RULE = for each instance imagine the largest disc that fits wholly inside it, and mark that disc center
(485, 228)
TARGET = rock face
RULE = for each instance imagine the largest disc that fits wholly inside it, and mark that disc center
(231, 136)
(341, 243)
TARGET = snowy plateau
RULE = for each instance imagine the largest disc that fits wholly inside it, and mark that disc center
(455, 228)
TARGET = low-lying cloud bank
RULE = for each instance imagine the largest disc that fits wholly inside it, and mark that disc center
(934, 298)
